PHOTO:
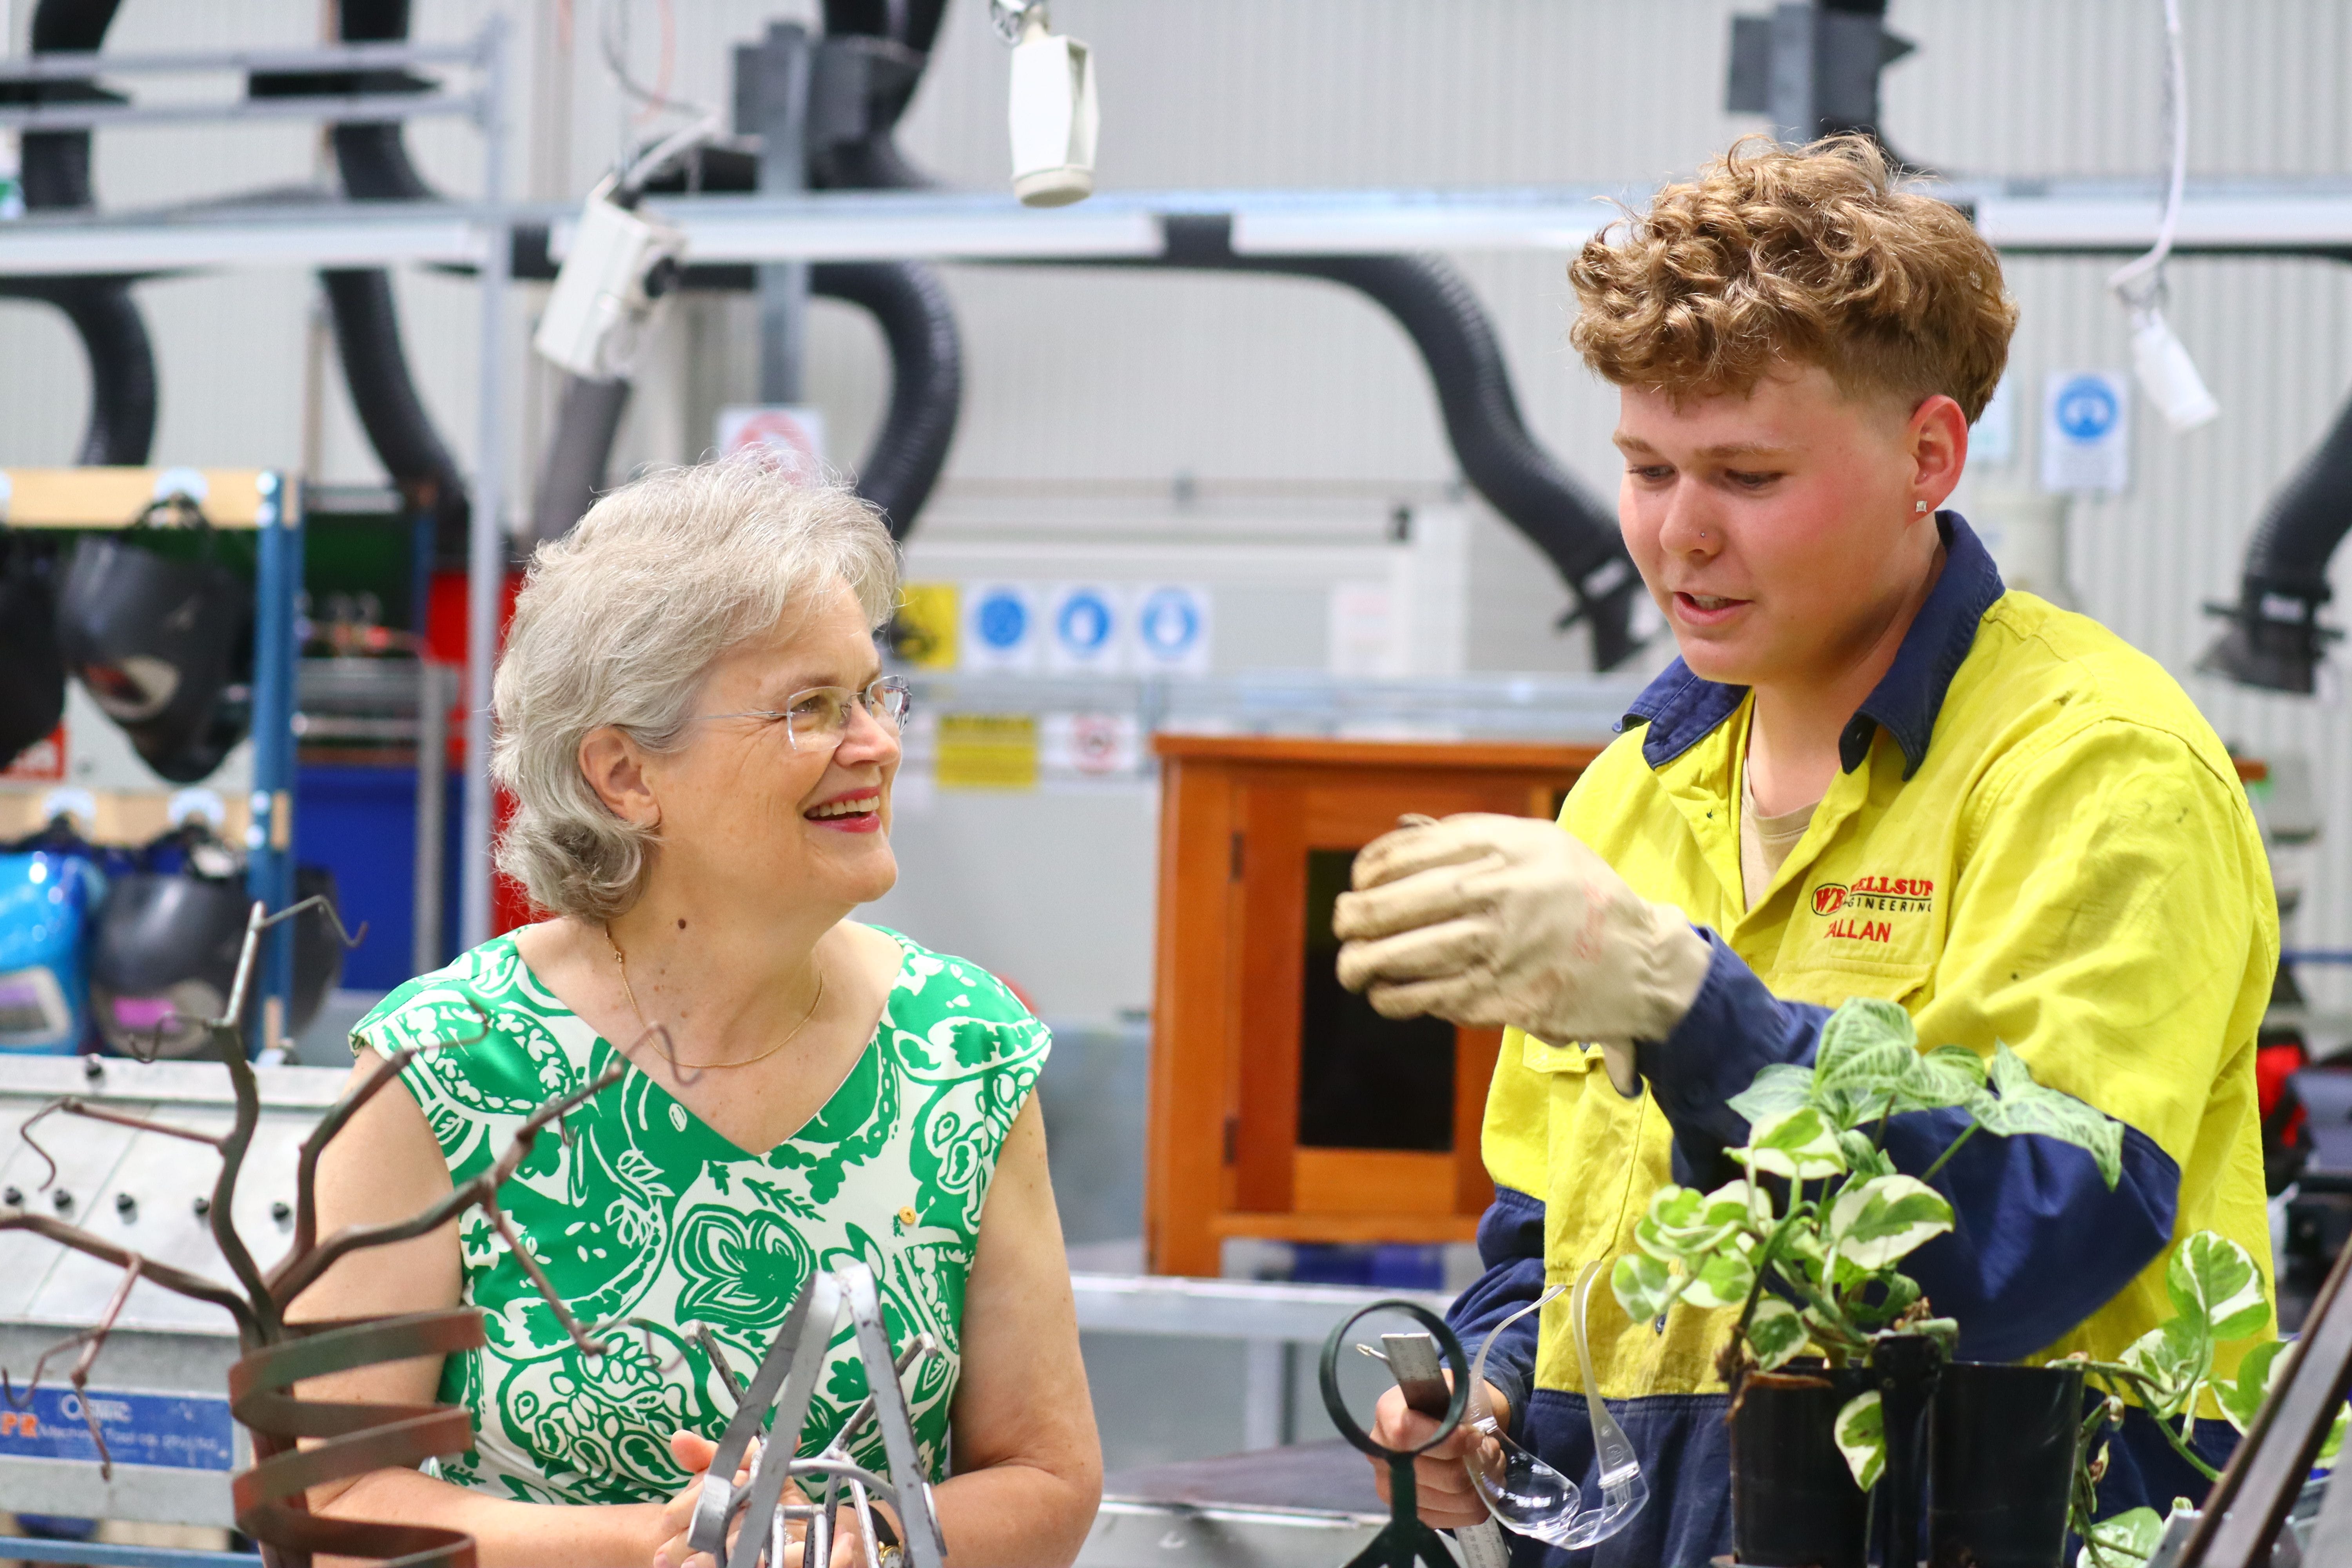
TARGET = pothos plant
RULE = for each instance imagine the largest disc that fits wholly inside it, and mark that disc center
(1829, 1242)
(2217, 1297)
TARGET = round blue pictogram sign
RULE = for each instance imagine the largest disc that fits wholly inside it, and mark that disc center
(1169, 622)
(2086, 409)
(1084, 625)
(1003, 620)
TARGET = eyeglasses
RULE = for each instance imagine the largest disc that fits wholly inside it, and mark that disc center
(818, 718)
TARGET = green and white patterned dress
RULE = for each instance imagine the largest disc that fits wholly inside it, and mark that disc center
(642, 1211)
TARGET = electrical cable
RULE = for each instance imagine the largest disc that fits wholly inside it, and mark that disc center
(2126, 277)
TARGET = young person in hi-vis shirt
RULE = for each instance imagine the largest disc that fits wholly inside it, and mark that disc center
(1873, 771)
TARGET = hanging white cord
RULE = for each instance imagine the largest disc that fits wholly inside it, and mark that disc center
(659, 156)
(2176, 119)
(2166, 371)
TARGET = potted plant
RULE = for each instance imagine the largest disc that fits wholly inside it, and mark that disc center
(1812, 1262)
(2217, 1297)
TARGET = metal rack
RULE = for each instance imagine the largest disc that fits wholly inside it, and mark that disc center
(267, 502)
(334, 233)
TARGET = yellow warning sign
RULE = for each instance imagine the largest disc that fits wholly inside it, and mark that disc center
(926, 627)
(988, 750)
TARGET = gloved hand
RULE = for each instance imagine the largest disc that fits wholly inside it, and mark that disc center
(1493, 920)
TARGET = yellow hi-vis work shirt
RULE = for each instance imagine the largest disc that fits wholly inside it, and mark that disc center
(2036, 838)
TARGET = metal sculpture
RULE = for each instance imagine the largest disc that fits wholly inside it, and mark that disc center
(1405, 1538)
(344, 1439)
(755, 1513)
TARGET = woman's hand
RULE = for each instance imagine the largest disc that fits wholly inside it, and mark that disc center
(1441, 1485)
(694, 1454)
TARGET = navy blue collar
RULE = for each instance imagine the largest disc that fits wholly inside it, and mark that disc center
(1681, 709)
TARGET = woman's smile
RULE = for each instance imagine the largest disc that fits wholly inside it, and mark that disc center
(859, 811)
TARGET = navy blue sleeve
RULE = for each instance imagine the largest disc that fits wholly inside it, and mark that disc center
(2038, 1242)
(1510, 1244)
(1735, 1028)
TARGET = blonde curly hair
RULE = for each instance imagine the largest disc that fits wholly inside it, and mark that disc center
(1809, 255)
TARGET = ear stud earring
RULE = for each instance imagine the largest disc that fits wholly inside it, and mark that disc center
(1918, 506)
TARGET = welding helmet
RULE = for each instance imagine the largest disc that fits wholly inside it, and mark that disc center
(164, 960)
(32, 675)
(164, 956)
(44, 915)
(164, 646)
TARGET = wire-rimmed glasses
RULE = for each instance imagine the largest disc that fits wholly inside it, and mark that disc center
(816, 719)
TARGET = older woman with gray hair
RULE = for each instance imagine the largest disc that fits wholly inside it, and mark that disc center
(700, 742)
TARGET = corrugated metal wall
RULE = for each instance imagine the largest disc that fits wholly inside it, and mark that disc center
(1079, 380)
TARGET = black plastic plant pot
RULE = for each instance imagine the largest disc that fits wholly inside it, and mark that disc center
(1793, 1501)
(2001, 1462)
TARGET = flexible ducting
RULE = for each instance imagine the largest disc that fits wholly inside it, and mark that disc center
(909, 305)
(56, 176)
(2276, 640)
(372, 160)
(1438, 311)
(868, 65)
(586, 420)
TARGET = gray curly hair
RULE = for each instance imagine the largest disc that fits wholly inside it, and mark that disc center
(618, 623)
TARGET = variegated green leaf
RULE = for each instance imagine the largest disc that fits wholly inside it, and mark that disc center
(1861, 1432)
(1884, 1218)
(1776, 1333)
(2333, 1446)
(1800, 1144)
(1722, 1281)
(1780, 1087)
(1862, 1157)
(1948, 1075)
(2213, 1281)
(1866, 1048)
(1641, 1285)
(2241, 1397)
(2025, 1106)
(1737, 1203)
(2172, 1356)
(2126, 1541)
(1665, 1230)
(1686, 1224)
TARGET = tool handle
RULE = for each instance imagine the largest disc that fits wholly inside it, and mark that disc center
(1413, 1360)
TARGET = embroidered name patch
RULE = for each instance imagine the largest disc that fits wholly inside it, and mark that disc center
(1859, 910)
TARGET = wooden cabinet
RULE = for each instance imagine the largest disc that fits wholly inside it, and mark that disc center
(1281, 1105)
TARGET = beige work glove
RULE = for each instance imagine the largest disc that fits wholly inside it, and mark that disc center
(1501, 921)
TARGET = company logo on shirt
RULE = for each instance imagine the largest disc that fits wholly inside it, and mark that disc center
(1857, 901)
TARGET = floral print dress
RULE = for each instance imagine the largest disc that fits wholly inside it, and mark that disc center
(641, 1212)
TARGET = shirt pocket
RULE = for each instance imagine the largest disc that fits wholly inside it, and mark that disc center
(1538, 1055)
(1831, 980)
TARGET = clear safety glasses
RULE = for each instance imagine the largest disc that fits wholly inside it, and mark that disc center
(815, 720)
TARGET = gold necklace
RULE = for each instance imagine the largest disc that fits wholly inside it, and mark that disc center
(621, 960)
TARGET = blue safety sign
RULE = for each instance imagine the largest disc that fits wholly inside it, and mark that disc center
(2085, 432)
(2086, 408)
(1168, 622)
(1003, 619)
(1085, 622)
(173, 1431)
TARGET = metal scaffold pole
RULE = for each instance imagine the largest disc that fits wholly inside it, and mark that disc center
(487, 542)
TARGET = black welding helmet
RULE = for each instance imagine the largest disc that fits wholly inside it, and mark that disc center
(32, 674)
(163, 646)
(164, 957)
(164, 960)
